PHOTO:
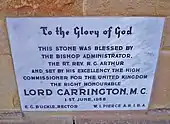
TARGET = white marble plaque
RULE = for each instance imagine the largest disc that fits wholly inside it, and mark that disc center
(85, 63)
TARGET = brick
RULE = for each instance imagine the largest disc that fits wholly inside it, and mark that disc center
(161, 89)
(8, 89)
(120, 7)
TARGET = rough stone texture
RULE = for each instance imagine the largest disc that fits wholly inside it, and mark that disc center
(161, 88)
(166, 34)
(120, 7)
(119, 117)
(122, 122)
(8, 89)
(4, 44)
(35, 120)
(16, 8)
(122, 117)
(86, 121)
(127, 7)
(163, 7)
(10, 115)
(40, 8)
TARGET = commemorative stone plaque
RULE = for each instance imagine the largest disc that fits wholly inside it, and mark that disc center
(85, 63)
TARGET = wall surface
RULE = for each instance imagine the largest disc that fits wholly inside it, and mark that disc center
(9, 100)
